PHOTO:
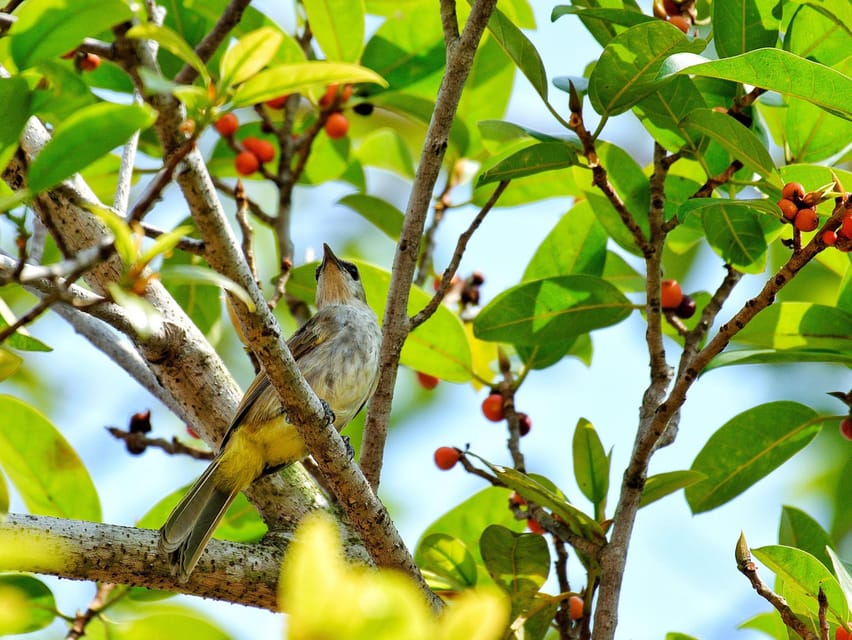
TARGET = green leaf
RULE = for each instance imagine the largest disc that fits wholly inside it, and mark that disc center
(622, 275)
(674, 635)
(534, 491)
(438, 347)
(663, 110)
(380, 212)
(298, 77)
(22, 340)
(553, 309)
(46, 29)
(519, 48)
(627, 69)
(799, 325)
(775, 70)
(736, 139)
(543, 356)
(744, 25)
(447, 558)
(197, 274)
(83, 138)
(467, 520)
(733, 229)
(124, 240)
(804, 574)
(249, 55)
(173, 43)
(842, 574)
(662, 484)
(15, 100)
(798, 529)
(202, 303)
(747, 448)
(9, 363)
(26, 604)
(769, 623)
(591, 465)
(602, 30)
(179, 623)
(621, 17)
(141, 314)
(385, 148)
(164, 243)
(771, 356)
(544, 156)
(518, 562)
(46, 471)
(577, 244)
(338, 27)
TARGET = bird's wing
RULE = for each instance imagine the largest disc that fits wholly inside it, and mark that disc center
(308, 336)
(256, 388)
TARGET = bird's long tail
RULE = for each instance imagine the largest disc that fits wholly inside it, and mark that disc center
(190, 525)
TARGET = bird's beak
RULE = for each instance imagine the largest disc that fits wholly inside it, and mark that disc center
(331, 283)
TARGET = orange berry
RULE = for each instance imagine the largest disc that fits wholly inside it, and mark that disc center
(227, 125)
(89, 62)
(681, 23)
(447, 457)
(793, 191)
(346, 93)
(263, 149)
(671, 295)
(846, 427)
(426, 381)
(842, 634)
(830, 238)
(336, 126)
(575, 607)
(492, 407)
(846, 227)
(788, 208)
(534, 526)
(806, 220)
(277, 103)
(329, 95)
(246, 163)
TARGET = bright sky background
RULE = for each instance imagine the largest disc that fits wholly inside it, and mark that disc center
(681, 574)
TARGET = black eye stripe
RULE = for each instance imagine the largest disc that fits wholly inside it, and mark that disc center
(353, 271)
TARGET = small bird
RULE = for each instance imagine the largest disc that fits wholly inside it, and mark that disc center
(337, 351)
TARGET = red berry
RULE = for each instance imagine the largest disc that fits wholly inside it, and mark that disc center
(806, 220)
(846, 428)
(227, 125)
(246, 163)
(671, 294)
(681, 23)
(534, 526)
(492, 407)
(524, 424)
(329, 95)
(830, 238)
(89, 62)
(426, 381)
(671, 8)
(517, 499)
(686, 308)
(788, 208)
(277, 103)
(575, 607)
(336, 126)
(263, 149)
(793, 191)
(447, 457)
(846, 227)
(842, 634)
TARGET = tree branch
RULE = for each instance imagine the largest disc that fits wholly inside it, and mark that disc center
(395, 328)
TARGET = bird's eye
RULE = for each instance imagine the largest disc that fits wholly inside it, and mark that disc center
(353, 271)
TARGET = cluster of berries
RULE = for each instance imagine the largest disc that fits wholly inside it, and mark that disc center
(798, 208)
(679, 13)
(672, 298)
(254, 151)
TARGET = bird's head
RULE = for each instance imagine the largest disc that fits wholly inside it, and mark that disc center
(338, 281)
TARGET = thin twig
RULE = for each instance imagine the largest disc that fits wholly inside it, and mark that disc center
(189, 245)
(95, 608)
(255, 208)
(121, 199)
(245, 227)
(424, 314)
(136, 443)
(154, 191)
(207, 47)
(824, 629)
